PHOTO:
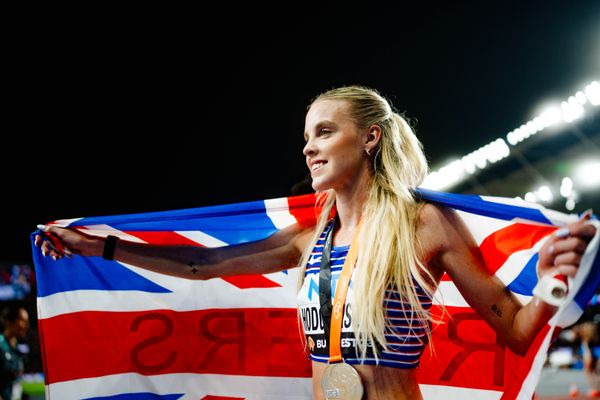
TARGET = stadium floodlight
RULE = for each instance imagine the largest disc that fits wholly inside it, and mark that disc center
(568, 111)
(580, 97)
(566, 187)
(587, 174)
(530, 197)
(571, 110)
(592, 91)
(545, 194)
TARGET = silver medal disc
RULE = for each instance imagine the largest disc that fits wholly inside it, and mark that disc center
(341, 381)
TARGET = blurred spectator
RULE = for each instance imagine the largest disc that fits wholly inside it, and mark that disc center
(15, 282)
(587, 333)
(15, 323)
(20, 277)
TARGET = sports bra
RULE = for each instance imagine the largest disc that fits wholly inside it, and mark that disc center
(406, 339)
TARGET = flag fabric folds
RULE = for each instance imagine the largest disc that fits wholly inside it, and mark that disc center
(109, 330)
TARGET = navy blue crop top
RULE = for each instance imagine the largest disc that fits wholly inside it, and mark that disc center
(406, 339)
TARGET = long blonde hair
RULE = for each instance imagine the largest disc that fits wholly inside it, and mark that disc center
(387, 242)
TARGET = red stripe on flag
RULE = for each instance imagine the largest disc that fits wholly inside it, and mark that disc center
(250, 281)
(163, 237)
(463, 343)
(303, 209)
(498, 246)
(252, 342)
(221, 398)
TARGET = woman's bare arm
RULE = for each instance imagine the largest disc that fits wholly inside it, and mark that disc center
(450, 247)
(280, 251)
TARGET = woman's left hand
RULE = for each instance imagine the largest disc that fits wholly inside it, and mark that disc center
(562, 253)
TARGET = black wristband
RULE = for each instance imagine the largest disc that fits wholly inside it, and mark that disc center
(110, 243)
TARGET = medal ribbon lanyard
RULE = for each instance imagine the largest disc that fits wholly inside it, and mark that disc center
(334, 313)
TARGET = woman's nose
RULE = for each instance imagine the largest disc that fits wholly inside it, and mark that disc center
(309, 148)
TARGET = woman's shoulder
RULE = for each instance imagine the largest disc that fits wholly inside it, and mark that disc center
(434, 215)
(435, 226)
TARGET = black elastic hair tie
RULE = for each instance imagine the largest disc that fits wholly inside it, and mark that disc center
(110, 243)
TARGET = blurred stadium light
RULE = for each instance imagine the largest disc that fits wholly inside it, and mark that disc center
(557, 166)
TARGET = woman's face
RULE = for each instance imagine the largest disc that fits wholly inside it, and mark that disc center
(335, 147)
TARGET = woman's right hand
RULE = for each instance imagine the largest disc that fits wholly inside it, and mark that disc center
(58, 242)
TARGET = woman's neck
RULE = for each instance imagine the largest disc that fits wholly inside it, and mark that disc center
(349, 207)
(348, 213)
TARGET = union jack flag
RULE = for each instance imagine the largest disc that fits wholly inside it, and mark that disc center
(109, 330)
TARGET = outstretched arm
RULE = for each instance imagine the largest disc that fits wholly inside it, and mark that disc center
(450, 247)
(275, 253)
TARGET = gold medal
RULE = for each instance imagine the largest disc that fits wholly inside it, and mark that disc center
(341, 382)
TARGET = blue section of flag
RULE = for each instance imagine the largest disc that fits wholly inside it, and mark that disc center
(475, 204)
(591, 285)
(86, 273)
(527, 278)
(231, 223)
(139, 396)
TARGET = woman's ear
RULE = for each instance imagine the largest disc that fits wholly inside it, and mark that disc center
(373, 137)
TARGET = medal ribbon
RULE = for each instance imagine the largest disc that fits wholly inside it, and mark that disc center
(341, 290)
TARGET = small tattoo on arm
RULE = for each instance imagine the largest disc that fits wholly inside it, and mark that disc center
(192, 267)
(496, 310)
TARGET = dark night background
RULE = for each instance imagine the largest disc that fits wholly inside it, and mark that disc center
(112, 111)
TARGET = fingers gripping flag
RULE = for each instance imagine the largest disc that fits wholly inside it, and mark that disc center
(110, 330)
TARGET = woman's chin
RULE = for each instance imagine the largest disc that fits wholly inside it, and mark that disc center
(319, 186)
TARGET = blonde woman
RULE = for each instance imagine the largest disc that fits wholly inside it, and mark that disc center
(376, 254)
